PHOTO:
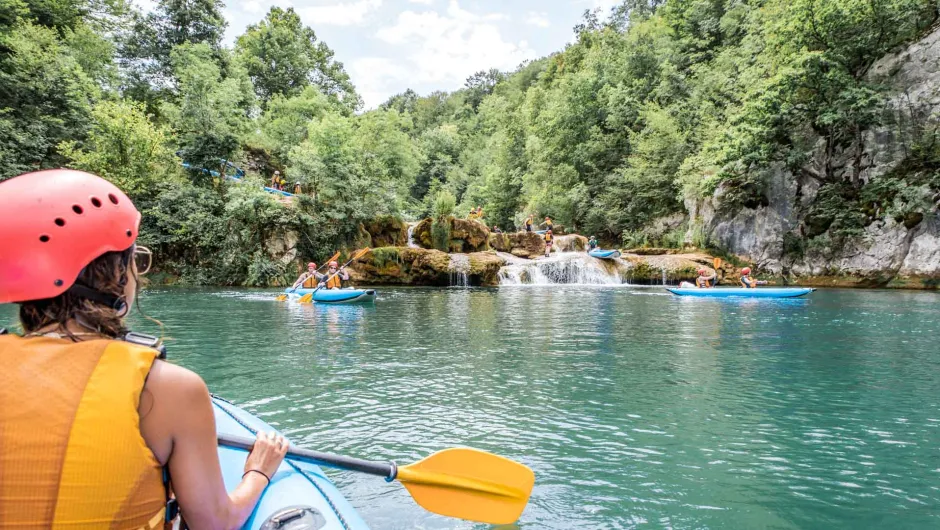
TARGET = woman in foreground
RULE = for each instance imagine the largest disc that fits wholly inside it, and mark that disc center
(98, 431)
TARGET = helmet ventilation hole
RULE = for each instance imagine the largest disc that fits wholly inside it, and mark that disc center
(60, 221)
(44, 238)
(96, 202)
(77, 209)
(113, 198)
(129, 233)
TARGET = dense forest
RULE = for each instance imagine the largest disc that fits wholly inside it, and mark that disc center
(655, 103)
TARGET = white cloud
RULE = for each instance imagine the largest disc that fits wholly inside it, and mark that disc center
(345, 14)
(538, 19)
(446, 49)
(425, 2)
(252, 6)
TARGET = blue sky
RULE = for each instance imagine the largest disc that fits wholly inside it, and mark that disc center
(388, 46)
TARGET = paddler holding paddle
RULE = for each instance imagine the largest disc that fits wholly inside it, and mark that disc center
(705, 281)
(335, 277)
(94, 422)
(747, 281)
(309, 279)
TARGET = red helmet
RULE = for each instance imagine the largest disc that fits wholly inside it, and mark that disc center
(55, 223)
(334, 264)
(745, 271)
(311, 265)
(701, 272)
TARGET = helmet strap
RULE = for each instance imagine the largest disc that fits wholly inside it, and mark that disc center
(114, 302)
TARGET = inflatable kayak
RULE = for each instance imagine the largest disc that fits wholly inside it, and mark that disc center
(300, 495)
(337, 296)
(728, 292)
(604, 254)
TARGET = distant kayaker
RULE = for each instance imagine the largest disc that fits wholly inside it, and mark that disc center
(297, 189)
(309, 279)
(528, 224)
(276, 180)
(592, 243)
(747, 281)
(549, 239)
(704, 280)
(93, 421)
(335, 278)
(496, 230)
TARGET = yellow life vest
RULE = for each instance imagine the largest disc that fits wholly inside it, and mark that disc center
(335, 282)
(71, 452)
(702, 282)
(311, 282)
(548, 237)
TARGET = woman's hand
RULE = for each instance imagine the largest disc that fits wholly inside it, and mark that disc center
(267, 454)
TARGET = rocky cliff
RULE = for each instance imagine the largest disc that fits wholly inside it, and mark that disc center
(793, 235)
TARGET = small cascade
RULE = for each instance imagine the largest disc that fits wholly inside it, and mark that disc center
(562, 268)
(459, 270)
(411, 235)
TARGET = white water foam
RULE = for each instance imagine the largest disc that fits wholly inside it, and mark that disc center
(562, 268)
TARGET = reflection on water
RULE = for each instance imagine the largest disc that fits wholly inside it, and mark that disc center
(632, 406)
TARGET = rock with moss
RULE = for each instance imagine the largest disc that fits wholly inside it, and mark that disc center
(465, 236)
(571, 243)
(386, 231)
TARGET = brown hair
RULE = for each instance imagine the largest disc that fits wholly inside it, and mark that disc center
(106, 274)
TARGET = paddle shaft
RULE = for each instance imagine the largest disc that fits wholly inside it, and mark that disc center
(386, 470)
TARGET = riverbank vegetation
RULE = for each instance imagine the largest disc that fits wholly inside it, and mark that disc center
(655, 103)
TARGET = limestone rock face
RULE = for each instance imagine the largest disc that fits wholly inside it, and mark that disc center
(571, 243)
(890, 252)
(387, 231)
(649, 269)
(465, 236)
(419, 266)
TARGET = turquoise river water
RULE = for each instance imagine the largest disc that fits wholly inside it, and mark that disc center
(632, 405)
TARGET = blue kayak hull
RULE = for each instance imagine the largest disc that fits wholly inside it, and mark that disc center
(730, 292)
(604, 254)
(294, 485)
(337, 296)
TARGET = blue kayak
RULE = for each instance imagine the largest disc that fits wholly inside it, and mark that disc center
(604, 254)
(299, 492)
(337, 296)
(729, 292)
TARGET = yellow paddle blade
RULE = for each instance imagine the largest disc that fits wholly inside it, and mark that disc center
(281, 297)
(331, 258)
(359, 254)
(717, 263)
(469, 484)
(306, 299)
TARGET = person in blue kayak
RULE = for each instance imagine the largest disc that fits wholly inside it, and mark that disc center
(704, 280)
(335, 277)
(309, 279)
(747, 281)
(592, 243)
(97, 430)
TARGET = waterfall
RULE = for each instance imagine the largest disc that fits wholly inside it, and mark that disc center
(411, 235)
(562, 268)
(459, 270)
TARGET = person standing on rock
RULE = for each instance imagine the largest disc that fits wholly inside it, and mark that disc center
(528, 224)
(747, 281)
(276, 180)
(548, 224)
(549, 239)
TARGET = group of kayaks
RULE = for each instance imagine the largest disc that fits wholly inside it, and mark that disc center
(718, 292)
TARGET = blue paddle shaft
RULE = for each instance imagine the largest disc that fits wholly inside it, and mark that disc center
(387, 470)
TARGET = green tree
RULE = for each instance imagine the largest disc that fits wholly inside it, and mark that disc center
(124, 147)
(45, 99)
(283, 57)
(210, 117)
